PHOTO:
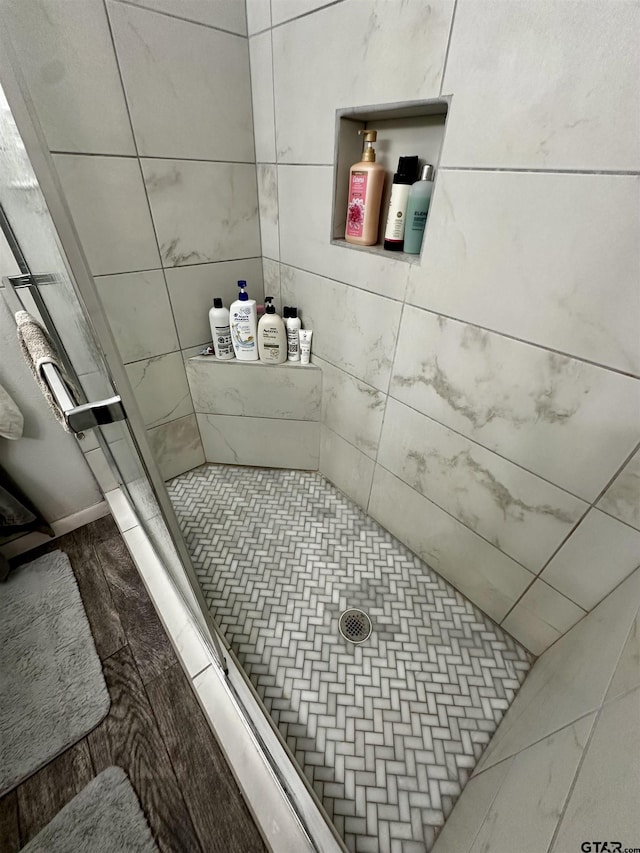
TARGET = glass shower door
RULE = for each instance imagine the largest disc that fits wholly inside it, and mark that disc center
(89, 356)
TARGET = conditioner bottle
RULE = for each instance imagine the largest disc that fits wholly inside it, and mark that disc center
(405, 176)
(417, 210)
(366, 180)
(272, 335)
(220, 331)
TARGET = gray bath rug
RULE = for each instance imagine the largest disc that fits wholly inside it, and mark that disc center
(52, 690)
(105, 817)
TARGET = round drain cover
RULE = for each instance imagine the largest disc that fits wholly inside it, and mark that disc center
(355, 625)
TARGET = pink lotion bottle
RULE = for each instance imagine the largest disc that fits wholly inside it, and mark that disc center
(366, 180)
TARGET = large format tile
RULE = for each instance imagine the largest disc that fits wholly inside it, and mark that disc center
(285, 10)
(203, 211)
(622, 498)
(517, 512)
(139, 313)
(364, 53)
(352, 328)
(192, 290)
(263, 442)
(345, 466)
(351, 408)
(570, 679)
(258, 15)
(541, 616)
(568, 421)
(561, 118)
(78, 111)
(268, 210)
(486, 262)
(262, 97)
(604, 800)
(305, 241)
(256, 390)
(600, 553)
(176, 446)
(161, 388)
(481, 572)
(187, 86)
(109, 207)
(225, 14)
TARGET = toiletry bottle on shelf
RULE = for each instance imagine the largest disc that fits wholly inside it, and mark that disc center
(293, 325)
(417, 210)
(244, 326)
(405, 176)
(220, 331)
(272, 335)
(366, 180)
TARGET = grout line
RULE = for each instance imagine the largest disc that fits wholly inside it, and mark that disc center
(615, 476)
(180, 18)
(538, 171)
(446, 54)
(304, 14)
(152, 156)
(178, 267)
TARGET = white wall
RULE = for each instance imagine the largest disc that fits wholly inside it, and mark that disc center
(482, 404)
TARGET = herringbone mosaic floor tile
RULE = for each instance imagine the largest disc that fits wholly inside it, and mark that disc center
(387, 732)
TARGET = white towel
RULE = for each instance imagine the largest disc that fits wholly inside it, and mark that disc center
(11, 420)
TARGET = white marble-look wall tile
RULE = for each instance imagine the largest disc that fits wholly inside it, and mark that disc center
(570, 422)
(622, 498)
(187, 86)
(627, 674)
(161, 388)
(78, 111)
(570, 679)
(565, 118)
(600, 553)
(285, 10)
(225, 14)
(305, 241)
(365, 52)
(481, 572)
(524, 814)
(192, 290)
(262, 97)
(264, 442)
(516, 511)
(176, 446)
(109, 208)
(271, 278)
(351, 408)
(352, 328)
(258, 15)
(541, 616)
(549, 258)
(611, 764)
(203, 211)
(292, 392)
(345, 466)
(139, 313)
(268, 210)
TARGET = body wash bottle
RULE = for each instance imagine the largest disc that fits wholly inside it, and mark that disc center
(244, 325)
(272, 335)
(220, 331)
(406, 175)
(366, 180)
(417, 210)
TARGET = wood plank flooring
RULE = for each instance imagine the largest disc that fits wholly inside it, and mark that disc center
(154, 730)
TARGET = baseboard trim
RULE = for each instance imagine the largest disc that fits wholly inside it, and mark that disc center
(63, 525)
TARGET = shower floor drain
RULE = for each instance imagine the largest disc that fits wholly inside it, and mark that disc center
(355, 625)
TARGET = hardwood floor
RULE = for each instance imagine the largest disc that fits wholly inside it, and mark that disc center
(154, 730)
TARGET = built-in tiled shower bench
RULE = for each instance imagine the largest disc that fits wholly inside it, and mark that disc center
(257, 414)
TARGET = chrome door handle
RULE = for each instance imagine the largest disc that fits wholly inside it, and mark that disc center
(87, 415)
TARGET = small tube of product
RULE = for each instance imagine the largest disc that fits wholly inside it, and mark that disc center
(305, 345)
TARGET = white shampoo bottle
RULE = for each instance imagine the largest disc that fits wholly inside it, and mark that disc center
(244, 331)
(220, 331)
(272, 335)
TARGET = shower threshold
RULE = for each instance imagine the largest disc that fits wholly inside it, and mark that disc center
(387, 730)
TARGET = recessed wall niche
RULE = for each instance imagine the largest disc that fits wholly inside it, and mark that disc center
(408, 128)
